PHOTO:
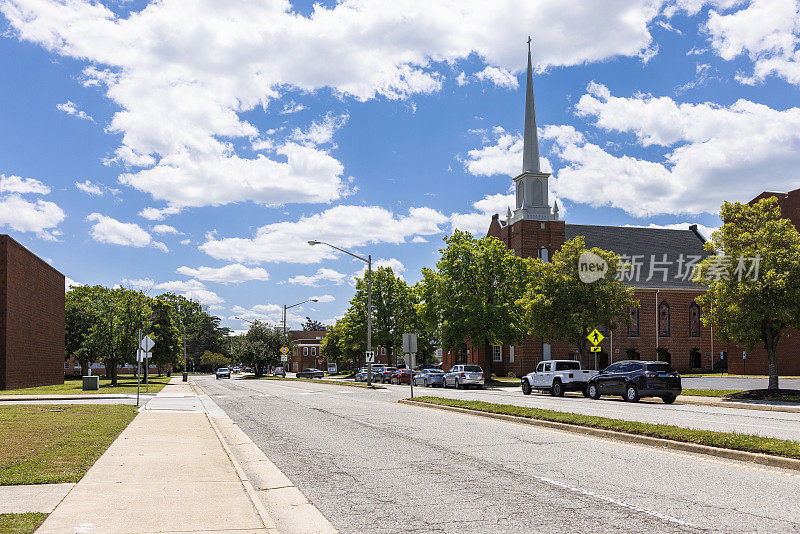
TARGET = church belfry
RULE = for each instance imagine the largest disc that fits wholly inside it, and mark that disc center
(532, 185)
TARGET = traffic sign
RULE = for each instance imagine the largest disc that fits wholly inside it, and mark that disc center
(147, 343)
(595, 337)
(142, 355)
(594, 349)
(284, 350)
(409, 343)
(370, 354)
(284, 358)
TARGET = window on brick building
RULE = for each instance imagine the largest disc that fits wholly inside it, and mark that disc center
(694, 320)
(497, 353)
(663, 319)
(544, 254)
(633, 328)
(305, 351)
(66, 366)
(313, 351)
(383, 351)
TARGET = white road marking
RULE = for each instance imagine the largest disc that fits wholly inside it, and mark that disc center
(264, 395)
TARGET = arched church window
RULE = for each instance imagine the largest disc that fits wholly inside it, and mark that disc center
(694, 320)
(663, 319)
(544, 254)
(633, 328)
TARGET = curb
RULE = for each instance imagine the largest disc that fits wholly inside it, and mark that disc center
(741, 456)
(266, 519)
(741, 405)
(289, 509)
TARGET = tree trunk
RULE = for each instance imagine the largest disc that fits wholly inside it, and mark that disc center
(84, 367)
(113, 371)
(771, 344)
(489, 358)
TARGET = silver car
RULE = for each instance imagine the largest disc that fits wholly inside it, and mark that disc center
(461, 376)
(429, 378)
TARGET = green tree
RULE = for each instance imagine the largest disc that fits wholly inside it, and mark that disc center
(166, 334)
(313, 326)
(81, 314)
(473, 294)
(213, 360)
(559, 306)
(261, 347)
(392, 311)
(332, 345)
(203, 331)
(753, 277)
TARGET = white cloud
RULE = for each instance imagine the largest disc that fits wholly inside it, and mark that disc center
(181, 112)
(344, 226)
(324, 298)
(499, 77)
(70, 108)
(109, 230)
(69, 283)
(292, 107)
(23, 215)
(90, 188)
(396, 265)
(17, 184)
(268, 313)
(320, 133)
(165, 229)
(711, 154)
(501, 154)
(191, 289)
(322, 275)
(768, 31)
(235, 273)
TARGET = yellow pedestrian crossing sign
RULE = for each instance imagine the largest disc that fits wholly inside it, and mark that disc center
(594, 349)
(595, 337)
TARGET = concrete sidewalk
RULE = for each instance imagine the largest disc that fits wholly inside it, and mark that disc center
(168, 472)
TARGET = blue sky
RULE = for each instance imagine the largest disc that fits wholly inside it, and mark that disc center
(195, 146)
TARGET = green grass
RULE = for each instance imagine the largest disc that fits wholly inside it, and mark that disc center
(709, 392)
(75, 387)
(51, 443)
(724, 440)
(20, 523)
(323, 381)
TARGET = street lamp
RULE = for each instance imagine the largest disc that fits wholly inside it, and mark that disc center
(368, 261)
(285, 307)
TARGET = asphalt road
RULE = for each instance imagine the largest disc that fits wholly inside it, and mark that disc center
(371, 465)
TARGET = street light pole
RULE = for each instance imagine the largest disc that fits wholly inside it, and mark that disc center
(368, 261)
(285, 307)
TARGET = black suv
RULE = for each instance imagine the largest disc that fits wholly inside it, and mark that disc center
(634, 379)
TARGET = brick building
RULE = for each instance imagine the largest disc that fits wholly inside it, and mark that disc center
(308, 351)
(668, 317)
(31, 319)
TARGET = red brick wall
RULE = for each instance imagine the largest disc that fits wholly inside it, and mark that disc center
(31, 319)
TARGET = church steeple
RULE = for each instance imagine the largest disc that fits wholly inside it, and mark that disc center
(530, 151)
(532, 185)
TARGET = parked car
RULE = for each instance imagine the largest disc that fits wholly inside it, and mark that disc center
(461, 376)
(557, 376)
(377, 371)
(279, 371)
(386, 375)
(635, 379)
(401, 376)
(429, 377)
(310, 373)
(223, 372)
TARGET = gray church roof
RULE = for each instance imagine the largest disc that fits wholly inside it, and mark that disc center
(648, 246)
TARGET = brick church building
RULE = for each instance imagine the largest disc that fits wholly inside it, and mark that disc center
(668, 317)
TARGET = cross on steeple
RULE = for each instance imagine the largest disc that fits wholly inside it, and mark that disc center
(529, 43)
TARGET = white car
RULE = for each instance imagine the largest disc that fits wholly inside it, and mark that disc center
(461, 376)
(223, 372)
(557, 376)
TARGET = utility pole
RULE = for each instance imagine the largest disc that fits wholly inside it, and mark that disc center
(368, 261)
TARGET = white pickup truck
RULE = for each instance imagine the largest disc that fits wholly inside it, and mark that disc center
(557, 376)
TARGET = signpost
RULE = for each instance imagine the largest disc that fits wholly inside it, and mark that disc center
(595, 338)
(143, 354)
(284, 354)
(410, 353)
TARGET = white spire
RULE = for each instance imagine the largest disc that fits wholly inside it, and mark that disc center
(530, 152)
